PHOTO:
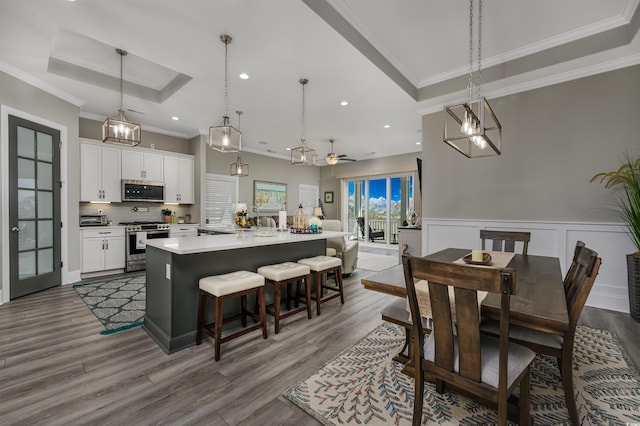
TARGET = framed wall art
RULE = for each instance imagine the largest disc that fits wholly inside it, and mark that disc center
(269, 196)
(328, 197)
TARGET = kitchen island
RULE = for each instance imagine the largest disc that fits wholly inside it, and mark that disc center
(175, 265)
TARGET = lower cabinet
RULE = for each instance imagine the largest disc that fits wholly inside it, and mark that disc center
(102, 249)
(409, 241)
(183, 231)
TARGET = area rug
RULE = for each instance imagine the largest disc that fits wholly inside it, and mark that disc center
(363, 385)
(376, 262)
(119, 303)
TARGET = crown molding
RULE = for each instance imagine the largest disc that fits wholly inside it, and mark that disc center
(35, 82)
(145, 127)
(533, 48)
(504, 89)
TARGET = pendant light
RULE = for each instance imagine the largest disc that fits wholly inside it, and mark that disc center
(472, 127)
(303, 155)
(239, 168)
(119, 130)
(225, 137)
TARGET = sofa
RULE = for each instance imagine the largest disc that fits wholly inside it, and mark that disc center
(346, 251)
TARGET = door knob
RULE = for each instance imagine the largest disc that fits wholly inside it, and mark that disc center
(15, 229)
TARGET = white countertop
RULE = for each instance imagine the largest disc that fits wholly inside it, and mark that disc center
(206, 243)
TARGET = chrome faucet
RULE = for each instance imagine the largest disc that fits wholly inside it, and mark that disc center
(257, 216)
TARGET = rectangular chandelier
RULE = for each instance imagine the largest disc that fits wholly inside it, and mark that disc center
(472, 128)
(303, 155)
(120, 131)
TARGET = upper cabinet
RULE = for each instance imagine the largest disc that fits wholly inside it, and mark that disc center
(140, 165)
(102, 168)
(178, 179)
(99, 173)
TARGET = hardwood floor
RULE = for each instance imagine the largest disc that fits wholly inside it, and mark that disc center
(56, 369)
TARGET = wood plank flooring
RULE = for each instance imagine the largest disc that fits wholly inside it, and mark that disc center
(56, 369)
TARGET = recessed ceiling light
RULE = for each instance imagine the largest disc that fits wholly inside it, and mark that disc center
(272, 151)
(244, 76)
(288, 149)
(418, 143)
(386, 126)
(344, 103)
(175, 118)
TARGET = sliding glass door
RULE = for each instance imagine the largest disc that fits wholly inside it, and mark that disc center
(377, 206)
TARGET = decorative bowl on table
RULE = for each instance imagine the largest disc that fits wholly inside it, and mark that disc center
(486, 259)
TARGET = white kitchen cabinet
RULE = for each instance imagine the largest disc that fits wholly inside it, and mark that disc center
(103, 249)
(141, 165)
(99, 173)
(183, 230)
(178, 179)
(410, 241)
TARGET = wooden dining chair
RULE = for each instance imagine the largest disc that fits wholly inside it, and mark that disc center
(459, 356)
(581, 276)
(505, 240)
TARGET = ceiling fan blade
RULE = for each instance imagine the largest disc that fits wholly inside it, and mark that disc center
(341, 155)
(347, 159)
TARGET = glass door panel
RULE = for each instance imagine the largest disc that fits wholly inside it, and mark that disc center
(377, 210)
(355, 209)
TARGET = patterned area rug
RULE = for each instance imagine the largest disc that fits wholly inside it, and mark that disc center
(119, 303)
(376, 262)
(363, 385)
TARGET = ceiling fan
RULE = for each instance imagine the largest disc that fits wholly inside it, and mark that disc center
(333, 158)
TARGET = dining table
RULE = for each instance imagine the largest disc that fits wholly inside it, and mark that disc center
(538, 302)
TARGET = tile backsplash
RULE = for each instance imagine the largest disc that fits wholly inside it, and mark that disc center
(125, 212)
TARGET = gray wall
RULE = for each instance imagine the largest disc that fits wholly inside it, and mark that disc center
(92, 129)
(21, 96)
(554, 140)
(330, 175)
(264, 168)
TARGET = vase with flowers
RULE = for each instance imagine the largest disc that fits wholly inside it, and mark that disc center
(315, 224)
(627, 204)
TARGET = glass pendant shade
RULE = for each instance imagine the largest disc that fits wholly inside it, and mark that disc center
(239, 168)
(473, 129)
(120, 131)
(225, 137)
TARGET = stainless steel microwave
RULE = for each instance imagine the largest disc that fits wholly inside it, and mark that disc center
(138, 190)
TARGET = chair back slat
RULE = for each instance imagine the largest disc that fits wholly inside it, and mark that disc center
(573, 269)
(507, 239)
(444, 333)
(467, 319)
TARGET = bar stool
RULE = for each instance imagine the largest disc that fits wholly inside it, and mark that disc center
(287, 273)
(227, 286)
(321, 266)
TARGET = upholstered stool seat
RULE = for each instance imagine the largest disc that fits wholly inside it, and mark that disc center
(225, 286)
(321, 266)
(287, 273)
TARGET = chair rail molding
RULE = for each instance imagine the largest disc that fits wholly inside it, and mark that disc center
(556, 239)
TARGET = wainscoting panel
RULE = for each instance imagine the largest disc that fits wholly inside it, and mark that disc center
(555, 239)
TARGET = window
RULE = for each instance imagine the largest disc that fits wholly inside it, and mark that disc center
(221, 193)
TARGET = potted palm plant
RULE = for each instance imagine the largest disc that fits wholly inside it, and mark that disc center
(627, 204)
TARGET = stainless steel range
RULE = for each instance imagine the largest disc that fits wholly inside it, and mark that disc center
(137, 234)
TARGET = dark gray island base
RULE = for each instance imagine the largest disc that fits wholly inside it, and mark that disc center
(172, 284)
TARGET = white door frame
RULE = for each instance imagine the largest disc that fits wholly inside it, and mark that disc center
(5, 112)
